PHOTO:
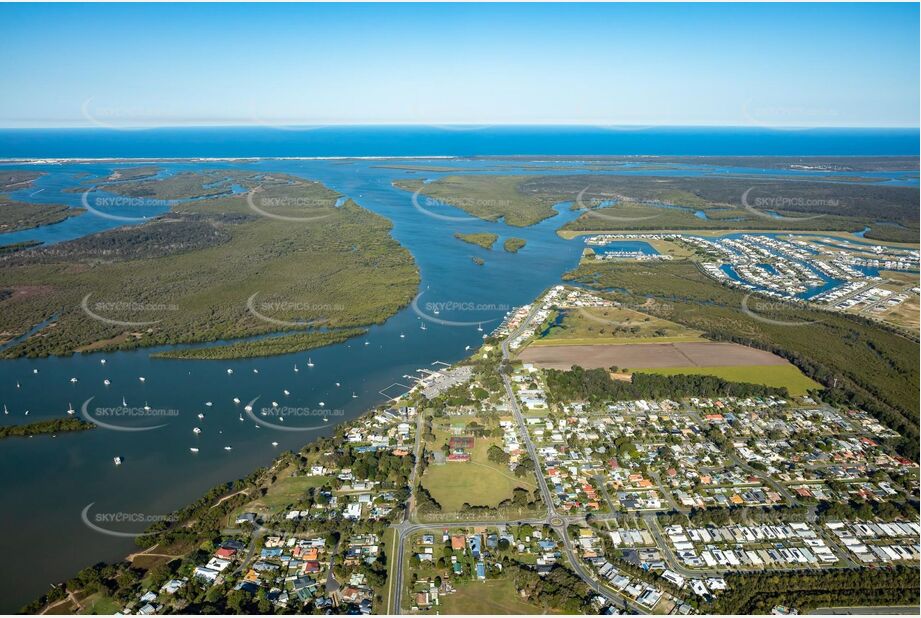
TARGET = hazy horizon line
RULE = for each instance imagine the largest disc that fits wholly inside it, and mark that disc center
(435, 125)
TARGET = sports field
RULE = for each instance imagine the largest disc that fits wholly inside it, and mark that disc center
(478, 482)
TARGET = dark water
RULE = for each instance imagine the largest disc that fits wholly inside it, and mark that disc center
(48, 482)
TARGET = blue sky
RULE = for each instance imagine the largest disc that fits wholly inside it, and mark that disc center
(740, 65)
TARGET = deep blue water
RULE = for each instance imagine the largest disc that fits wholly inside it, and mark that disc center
(450, 141)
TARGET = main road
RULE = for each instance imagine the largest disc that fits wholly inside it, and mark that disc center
(553, 519)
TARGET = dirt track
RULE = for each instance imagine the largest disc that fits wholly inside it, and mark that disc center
(648, 355)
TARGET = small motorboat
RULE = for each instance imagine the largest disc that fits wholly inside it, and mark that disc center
(201, 416)
(227, 448)
(106, 382)
(236, 400)
(193, 449)
(196, 430)
(209, 404)
(117, 460)
(274, 443)
(230, 372)
(73, 380)
(102, 361)
(286, 392)
(70, 409)
(142, 378)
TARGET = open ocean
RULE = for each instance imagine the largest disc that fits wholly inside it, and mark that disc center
(462, 141)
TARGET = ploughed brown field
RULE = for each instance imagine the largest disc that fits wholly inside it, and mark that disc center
(648, 355)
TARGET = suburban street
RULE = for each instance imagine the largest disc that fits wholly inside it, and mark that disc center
(558, 523)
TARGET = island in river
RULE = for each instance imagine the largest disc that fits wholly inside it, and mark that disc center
(237, 255)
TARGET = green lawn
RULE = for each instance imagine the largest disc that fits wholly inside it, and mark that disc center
(284, 492)
(494, 596)
(769, 375)
(101, 604)
(478, 482)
